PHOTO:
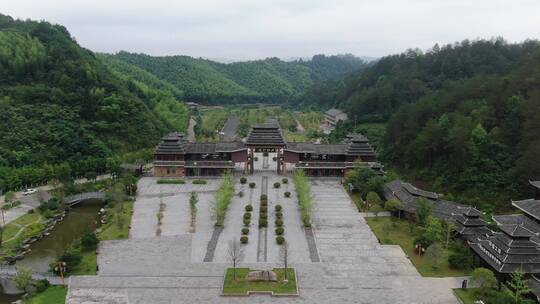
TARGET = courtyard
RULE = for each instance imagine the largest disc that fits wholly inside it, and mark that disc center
(165, 261)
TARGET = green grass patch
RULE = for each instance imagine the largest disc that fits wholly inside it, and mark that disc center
(305, 199)
(467, 296)
(88, 264)
(400, 234)
(117, 226)
(31, 225)
(53, 295)
(242, 286)
(171, 181)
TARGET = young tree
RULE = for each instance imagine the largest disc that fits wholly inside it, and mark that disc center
(9, 197)
(393, 205)
(23, 278)
(434, 252)
(518, 285)
(423, 210)
(235, 253)
(449, 229)
(433, 229)
(41, 196)
(373, 198)
(483, 278)
(284, 252)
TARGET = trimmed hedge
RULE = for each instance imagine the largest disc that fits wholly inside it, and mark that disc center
(171, 181)
(247, 215)
(247, 222)
(244, 239)
(263, 215)
(280, 230)
(199, 182)
(263, 209)
(279, 214)
(278, 208)
(249, 208)
(264, 197)
(263, 223)
(245, 231)
(279, 222)
(280, 240)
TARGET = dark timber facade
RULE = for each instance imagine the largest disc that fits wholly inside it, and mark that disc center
(175, 157)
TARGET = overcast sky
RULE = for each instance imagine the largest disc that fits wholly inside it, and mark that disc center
(249, 29)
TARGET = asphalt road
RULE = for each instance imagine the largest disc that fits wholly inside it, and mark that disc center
(230, 128)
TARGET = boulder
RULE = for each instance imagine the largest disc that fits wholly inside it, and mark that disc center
(261, 275)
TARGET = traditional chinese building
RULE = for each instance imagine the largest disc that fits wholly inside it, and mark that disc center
(175, 157)
(517, 245)
(466, 218)
(333, 116)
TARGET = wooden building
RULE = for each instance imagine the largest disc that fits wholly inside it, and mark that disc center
(176, 157)
(467, 219)
(333, 116)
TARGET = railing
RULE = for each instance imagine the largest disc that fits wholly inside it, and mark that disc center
(77, 198)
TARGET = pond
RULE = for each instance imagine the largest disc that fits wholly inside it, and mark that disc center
(79, 220)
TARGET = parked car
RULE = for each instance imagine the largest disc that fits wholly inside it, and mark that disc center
(29, 191)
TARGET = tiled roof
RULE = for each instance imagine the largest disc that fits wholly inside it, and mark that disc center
(529, 206)
(266, 134)
(320, 149)
(173, 143)
(334, 112)
(358, 145)
(516, 231)
(535, 184)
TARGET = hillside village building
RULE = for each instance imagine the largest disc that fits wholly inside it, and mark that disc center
(333, 116)
(176, 157)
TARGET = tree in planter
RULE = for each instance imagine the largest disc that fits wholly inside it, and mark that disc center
(284, 253)
(243, 180)
(484, 279)
(193, 199)
(518, 285)
(277, 185)
(234, 253)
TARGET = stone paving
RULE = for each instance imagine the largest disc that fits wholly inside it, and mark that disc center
(354, 267)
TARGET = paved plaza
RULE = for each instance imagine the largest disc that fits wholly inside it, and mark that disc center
(169, 268)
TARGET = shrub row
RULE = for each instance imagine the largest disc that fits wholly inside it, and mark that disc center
(171, 181)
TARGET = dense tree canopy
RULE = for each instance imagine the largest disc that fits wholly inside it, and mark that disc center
(270, 80)
(462, 116)
(60, 104)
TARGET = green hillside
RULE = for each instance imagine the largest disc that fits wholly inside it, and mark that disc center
(61, 105)
(271, 80)
(462, 117)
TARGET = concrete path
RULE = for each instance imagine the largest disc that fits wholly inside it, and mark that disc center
(354, 267)
(191, 129)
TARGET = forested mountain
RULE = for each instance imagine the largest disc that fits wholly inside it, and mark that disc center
(462, 116)
(62, 107)
(270, 80)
